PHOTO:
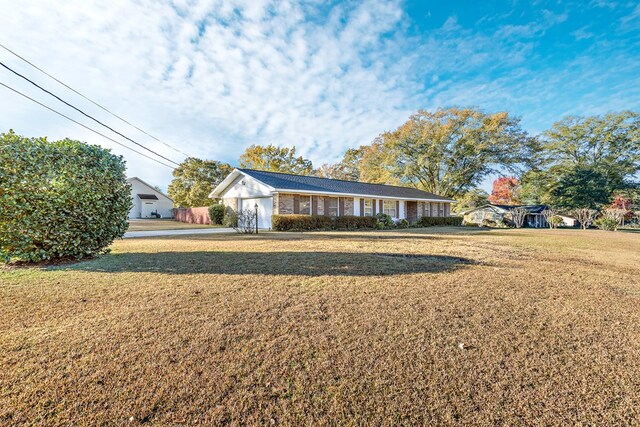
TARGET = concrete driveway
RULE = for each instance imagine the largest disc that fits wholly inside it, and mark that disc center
(160, 233)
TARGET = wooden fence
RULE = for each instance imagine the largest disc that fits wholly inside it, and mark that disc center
(193, 215)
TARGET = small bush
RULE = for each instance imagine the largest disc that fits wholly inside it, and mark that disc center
(62, 199)
(384, 221)
(354, 222)
(216, 213)
(402, 223)
(607, 224)
(230, 218)
(430, 221)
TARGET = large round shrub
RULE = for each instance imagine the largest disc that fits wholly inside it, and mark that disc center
(62, 199)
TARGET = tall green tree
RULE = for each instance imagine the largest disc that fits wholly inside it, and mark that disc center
(449, 151)
(584, 160)
(275, 159)
(579, 187)
(194, 180)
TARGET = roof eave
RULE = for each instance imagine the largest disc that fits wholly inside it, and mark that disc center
(371, 196)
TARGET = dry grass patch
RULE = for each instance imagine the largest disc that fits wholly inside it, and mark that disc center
(329, 328)
(162, 224)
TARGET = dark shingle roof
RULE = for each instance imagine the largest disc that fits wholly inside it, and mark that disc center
(533, 209)
(285, 181)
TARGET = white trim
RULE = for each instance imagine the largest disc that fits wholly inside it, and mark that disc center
(217, 192)
(366, 196)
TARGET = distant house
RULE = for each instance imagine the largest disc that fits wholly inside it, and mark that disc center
(492, 213)
(148, 202)
(286, 194)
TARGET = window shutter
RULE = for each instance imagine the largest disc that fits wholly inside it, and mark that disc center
(361, 207)
(397, 209)
(373, 207)
(314, 205)
(326, 206)
(381, 206)
(341, 206)
(296, 204)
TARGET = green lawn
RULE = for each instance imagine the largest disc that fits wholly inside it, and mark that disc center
(433, 326)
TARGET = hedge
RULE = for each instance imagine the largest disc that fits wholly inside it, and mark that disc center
(429, 221)
(62, 199)
(301, 222)
(320, 222)
(354, 222)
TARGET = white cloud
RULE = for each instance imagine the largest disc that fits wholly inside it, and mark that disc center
(213, 76)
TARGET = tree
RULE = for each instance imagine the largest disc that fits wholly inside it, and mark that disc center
(348, 168)
(60, 199)
(579, 187)
(505, 191)
(194, 180)
(518, 215)
(471, 199)
(275, 159)
(585, 217)
(449, 151)
(548, 214)
(598, 150)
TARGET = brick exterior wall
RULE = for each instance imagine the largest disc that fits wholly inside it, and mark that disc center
(283, 204)
(231, 203)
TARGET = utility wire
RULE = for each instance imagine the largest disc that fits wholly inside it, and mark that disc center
(84, 126)
(91, 101)
(85, 114)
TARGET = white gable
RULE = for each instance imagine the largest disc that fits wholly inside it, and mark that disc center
(241, 185)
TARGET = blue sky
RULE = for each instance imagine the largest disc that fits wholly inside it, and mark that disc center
(212, 77)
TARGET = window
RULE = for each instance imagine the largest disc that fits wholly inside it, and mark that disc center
(441, 206)
(305, 205)
(368, 207)
(332, 206)
(427, 209)
(389, 207)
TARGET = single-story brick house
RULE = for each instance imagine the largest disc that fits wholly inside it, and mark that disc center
(286, 194)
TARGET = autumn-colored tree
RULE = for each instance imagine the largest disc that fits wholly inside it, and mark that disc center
(348, 168)
(449, 151)
(505, 191)
(275, 159)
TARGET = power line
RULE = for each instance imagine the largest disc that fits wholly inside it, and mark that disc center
(84, 126)
(85, 114)
(91, 101)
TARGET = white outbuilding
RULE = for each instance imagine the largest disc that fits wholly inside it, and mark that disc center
(148, 202)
